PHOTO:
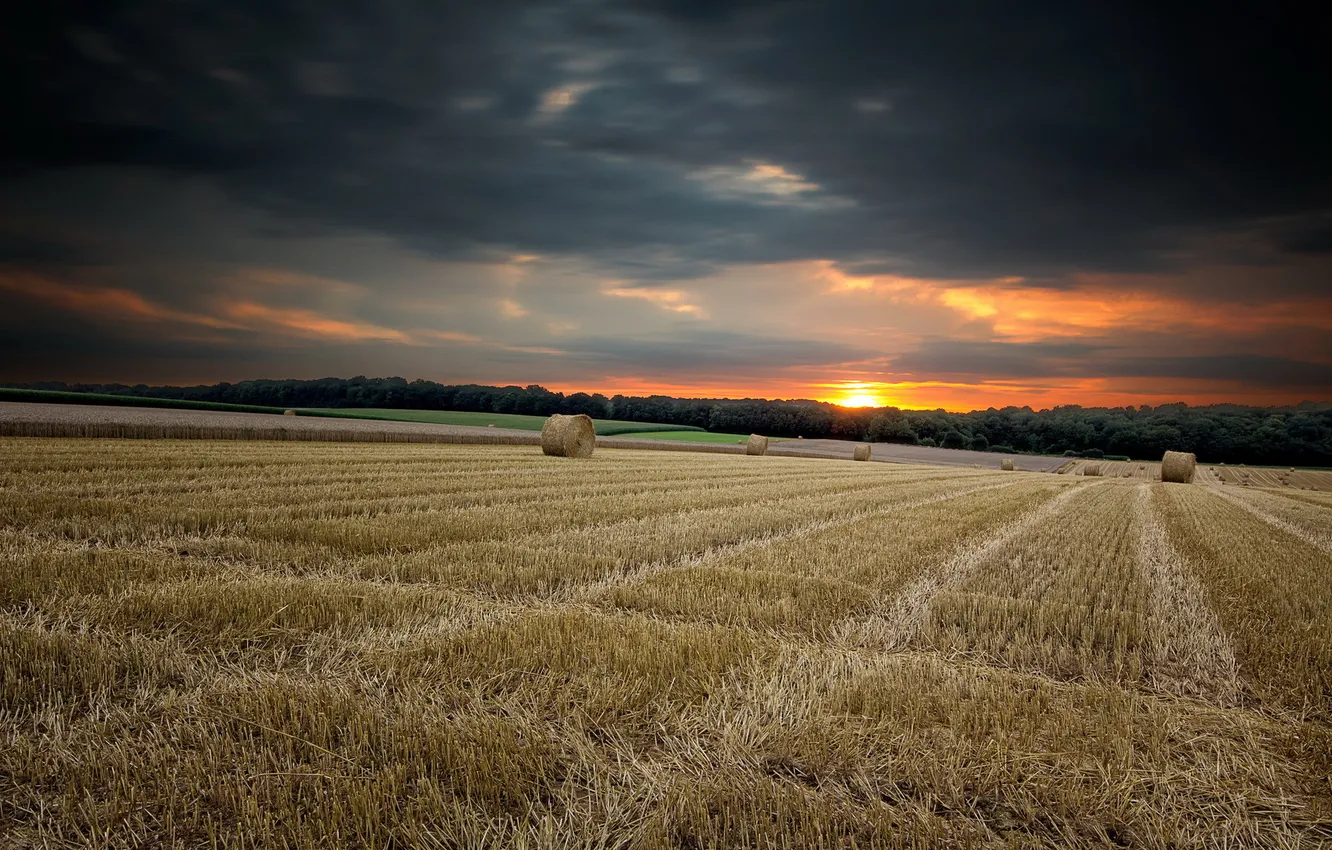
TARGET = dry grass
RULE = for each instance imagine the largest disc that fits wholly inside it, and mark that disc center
(1114, 469)
(1019, 604)
(337, 645)
(1311, 481)
(1298, 480)
(1269, 589)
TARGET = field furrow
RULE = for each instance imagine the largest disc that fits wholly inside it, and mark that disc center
(408, 524)
(1061, 593)
(840, 568)
(1269, 589)
(1189, 653)
(1307, 522)
(1305, 497)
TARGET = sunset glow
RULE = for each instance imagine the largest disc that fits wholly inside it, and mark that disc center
(860, 401)
(620, 201)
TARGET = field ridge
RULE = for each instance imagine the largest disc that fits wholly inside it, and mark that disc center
(902, 623)
(1190, 652)
(1313, 538)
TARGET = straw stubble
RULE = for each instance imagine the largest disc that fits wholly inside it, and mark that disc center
(319, 645)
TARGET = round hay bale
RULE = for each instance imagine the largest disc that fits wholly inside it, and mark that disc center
(757, 445)
(1178, 467)
(288, 413)
(490, 424)
(1006, 464)
(862, 452)
(1092, 469)
(568, 436)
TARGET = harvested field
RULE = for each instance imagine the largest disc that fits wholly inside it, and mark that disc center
(72, 420)
(512, 421)
(32, 419)
(899, 453)
(328, 645)
(1142, 470)
(1310, 480)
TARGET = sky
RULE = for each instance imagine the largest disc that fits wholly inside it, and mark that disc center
(924, 204)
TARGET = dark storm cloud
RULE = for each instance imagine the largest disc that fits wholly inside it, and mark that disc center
(955, 360)
(953, 140)
(24, 251)
(75, 350)
(1250, 369)
(1314, 237)
(941, 358)
(711, 352)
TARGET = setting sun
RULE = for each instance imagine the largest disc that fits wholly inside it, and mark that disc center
(854, 394)
(861, 400)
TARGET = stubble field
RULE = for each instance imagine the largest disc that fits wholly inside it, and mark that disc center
(255, 644)
(1277, 478)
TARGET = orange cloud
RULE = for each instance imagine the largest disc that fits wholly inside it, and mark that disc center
(120, 304)
(557, 100)
(1024, 315)
(666, 299)
(765, 182)
(309, 323)
(836, 280)
(511, 309)
(1092, 305)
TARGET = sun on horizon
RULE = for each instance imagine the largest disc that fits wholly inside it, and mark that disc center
(853, 394)
(861, 400)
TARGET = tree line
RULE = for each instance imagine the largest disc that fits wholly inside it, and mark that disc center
(1299, 435)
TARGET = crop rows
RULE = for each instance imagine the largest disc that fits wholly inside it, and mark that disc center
(336, 645)
(1145, 470)
(1312, 480)
(1291, 479)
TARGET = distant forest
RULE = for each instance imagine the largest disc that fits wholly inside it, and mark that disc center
(1223, 433)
